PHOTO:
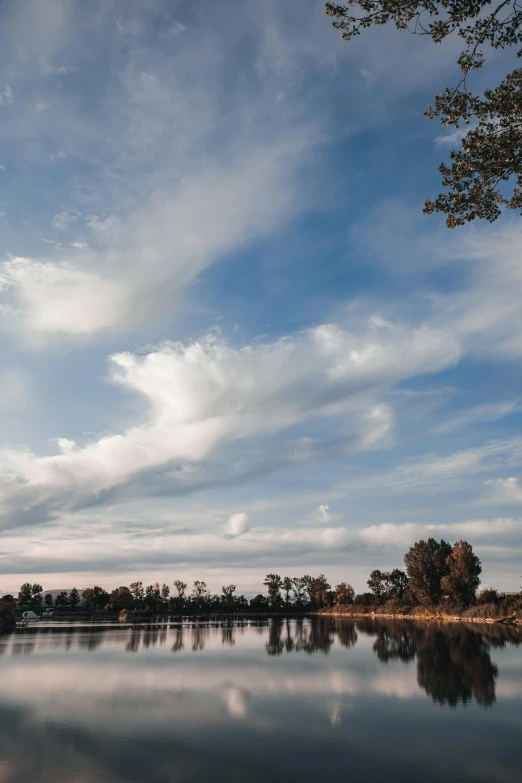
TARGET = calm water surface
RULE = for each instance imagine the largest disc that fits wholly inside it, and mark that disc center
(270, 700)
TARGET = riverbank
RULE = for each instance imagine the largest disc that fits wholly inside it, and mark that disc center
(425, 616)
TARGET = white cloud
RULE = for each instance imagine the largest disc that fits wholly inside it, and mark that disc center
(324, 512)
(451, 139)
(237, 525)
(403, 535)
(59, 298)
(507, 490)
(208, 393)
(148, 258)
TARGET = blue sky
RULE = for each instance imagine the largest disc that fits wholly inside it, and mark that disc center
(230, 341)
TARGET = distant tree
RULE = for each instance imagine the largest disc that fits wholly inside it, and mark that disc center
(36, 595)
(30, 595)
(259, 602)
(274, 583)
(138, 593)
(48, 600)
(7, 599)
(300, 583)
(463, 579)
(228, 596)
(344, 594)
(153, 599)
(181, 589)
(165, 592)
(200, 594)
(426, 565)
(321, 591)
(309, 589)
(74, 598)
(377, 583)
(25, 595)
(121, 598)
(396, 584)
(95, 597)
(287, 586)
(62, 600)
(485, 174)
(388, 584)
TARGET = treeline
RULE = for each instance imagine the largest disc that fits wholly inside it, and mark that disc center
(436, 574)
(152, 599)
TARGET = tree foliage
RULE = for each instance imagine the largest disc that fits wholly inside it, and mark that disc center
(228, 595)
(344, 593)
(426, 564)
(96, 597)
(376, 583)
(287, 586)
(74, 598)
(388, 584)
(486, 173)
(274, 583)
(462, 579)
(30, 596)
(62, 600)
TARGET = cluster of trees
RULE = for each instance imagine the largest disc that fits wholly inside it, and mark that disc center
(435, 573)
(153, 598)
(158, 598)
(312, 592)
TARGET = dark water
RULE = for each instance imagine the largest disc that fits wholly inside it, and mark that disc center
(279, 701)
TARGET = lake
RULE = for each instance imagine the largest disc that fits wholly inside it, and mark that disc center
(274, 700)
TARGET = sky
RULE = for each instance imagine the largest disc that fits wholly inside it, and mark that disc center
(230, 341)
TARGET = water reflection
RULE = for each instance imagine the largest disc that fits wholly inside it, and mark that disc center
(232, 701)
(453, 662)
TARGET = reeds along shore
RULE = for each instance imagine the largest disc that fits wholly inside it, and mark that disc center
(487, 614)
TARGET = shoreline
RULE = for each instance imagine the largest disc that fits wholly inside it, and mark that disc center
(511, 621)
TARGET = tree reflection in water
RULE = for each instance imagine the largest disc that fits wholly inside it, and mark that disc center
(452, 670)
(453, 660)
(314, 635)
